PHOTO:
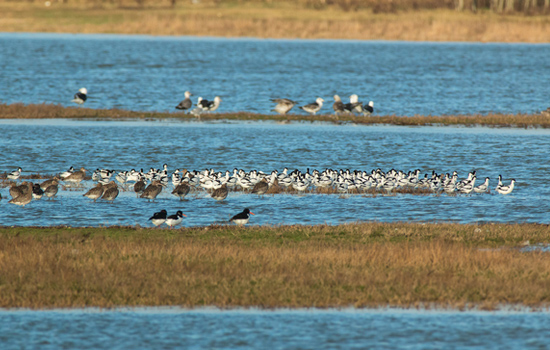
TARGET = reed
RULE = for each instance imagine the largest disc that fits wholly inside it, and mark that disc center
(362, 265)
(335, 19)
(50, 111)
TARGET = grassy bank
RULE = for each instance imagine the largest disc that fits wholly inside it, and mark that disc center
(363, 265)
(275, 19)
(46, 111)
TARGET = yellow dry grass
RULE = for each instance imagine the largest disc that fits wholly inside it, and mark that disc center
(48, 111)
(275, 19)
(362, 265)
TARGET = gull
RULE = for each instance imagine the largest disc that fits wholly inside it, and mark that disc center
(338, 105)
(209, 106)
(314, 107)
(81, 96)
(186, 103)
(364, 110)
(283, 105)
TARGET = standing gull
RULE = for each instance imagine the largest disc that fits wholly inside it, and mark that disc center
(314, 107)
(209, 106)
(338, 105)
(186, 103)
(81, 96)
(364, 110)
(283, 105)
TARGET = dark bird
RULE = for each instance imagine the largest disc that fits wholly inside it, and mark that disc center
(111, 191)
(186, 103)
(181, 190)
(95, 192)
(242, 218)
(261, 187)
(221, 193)
(37, 192)
(175, 219)
(158, 218)
(139, 187)
(152, 191)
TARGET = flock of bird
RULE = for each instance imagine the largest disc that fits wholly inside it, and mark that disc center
(149, 185)
(283, 105)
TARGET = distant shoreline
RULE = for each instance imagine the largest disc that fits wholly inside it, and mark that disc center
(361, 265)
(279, 20)
(51, 111)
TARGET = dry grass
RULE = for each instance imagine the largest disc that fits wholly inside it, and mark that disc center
(277, 19)
(363, 265)
(48, 111)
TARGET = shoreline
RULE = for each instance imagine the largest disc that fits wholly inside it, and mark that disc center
(358, 265)
(50, 111)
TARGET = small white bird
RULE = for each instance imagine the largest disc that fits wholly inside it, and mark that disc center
(81, 96)
(14, 175)
(314, 107)
(483, 187)
(506, 189)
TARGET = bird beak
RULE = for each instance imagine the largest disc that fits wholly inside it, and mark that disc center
(184, 215)
(252, 213)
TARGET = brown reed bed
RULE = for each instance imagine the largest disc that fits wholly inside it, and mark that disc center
(50, 111)
(360, 265)
(340, 19)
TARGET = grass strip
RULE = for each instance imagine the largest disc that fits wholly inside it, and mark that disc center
(360, 264)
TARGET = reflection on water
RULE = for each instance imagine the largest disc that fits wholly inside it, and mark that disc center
(401, 78)
(48, 147)
(157, 328)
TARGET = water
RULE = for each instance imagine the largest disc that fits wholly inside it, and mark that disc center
(152, 73)
(52, 146)
(158, 328)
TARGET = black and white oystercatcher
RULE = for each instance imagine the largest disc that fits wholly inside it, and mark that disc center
(242, 218)
(175, 219)
(158, 218)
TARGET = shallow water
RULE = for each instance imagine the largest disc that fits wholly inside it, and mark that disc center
(152, 73)
(52, 146)
(157, 328)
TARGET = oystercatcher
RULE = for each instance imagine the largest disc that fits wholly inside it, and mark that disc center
(242, 218)
(158, 218)
(175, 219)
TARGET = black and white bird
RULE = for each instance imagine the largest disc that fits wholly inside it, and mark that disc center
(242, 218)
(81, 96)
(283, 105)
(14, 175)
(158, 218)
(359, 108)
(175, 219)
(209, 106)
(314, 107)
(506, 189)
(186, 103)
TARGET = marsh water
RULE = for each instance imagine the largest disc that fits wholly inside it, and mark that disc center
(158, 328)
(51, 146)
(148, 73)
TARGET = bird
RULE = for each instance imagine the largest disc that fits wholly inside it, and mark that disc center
(111, 191)
(77, 176)
(16, 191)
(175, 219)
(66, 173)
(283, 105)
(221, 193)
(24, 198)
(314, 107)
(506, 189)
(242, 218)
(95, 192)
(152, 191)
(51, 190)
(14, 175)
(186, 103)
(483, 187)
(261, 187)
(209, 106)
(181, 190)
(338, 105)
(81, 96)
(364, 110)
(158, 218)
(37, 192)
(139, 187)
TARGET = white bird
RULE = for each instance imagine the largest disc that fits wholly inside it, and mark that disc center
(483, 187)
(283, 105)
(506, 189)
(314, 107)
(14, 175)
